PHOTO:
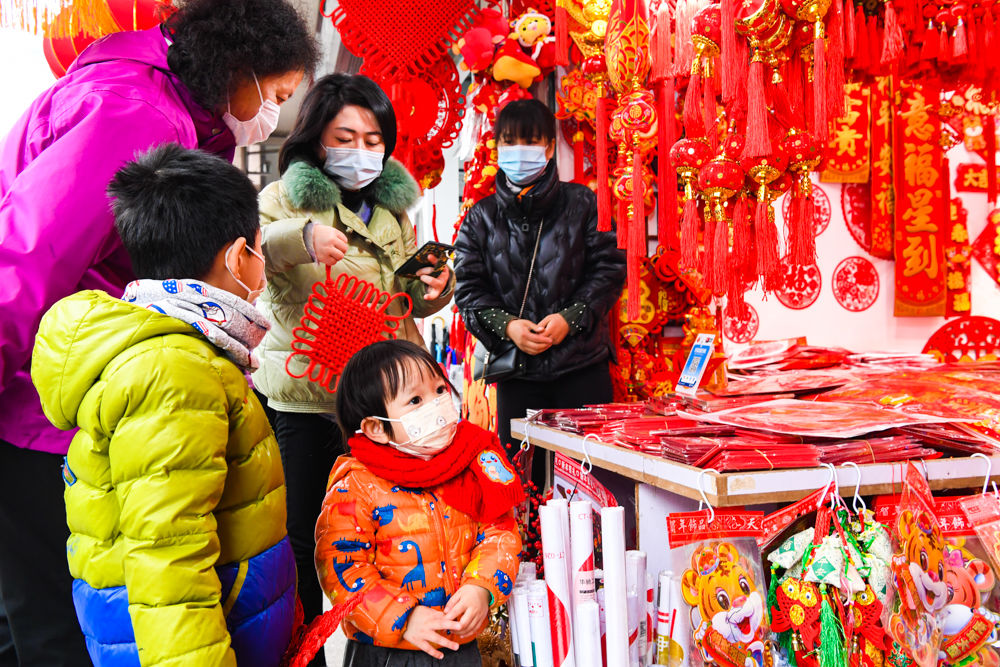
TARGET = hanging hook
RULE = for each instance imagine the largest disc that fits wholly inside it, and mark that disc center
(586, 465)
(830, 482)
(704, 498)
(858, 500)
(989, 470)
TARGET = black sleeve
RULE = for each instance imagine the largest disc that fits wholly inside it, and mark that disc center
(605, 272)
(474, 291)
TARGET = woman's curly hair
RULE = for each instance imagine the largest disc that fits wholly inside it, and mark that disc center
(220, 43)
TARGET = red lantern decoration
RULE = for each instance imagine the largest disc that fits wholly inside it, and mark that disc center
(805, 154)
(139, 14)
(718, 180)
(688, 155)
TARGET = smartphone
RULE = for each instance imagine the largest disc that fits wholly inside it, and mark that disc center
(419, 259)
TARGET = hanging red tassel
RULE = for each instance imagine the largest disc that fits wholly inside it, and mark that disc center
(578, 167)
(689, 234)
(766, 233)
(562, 35)
(684, 48)
(862, 51)
(663, 62)
(944, 45)
(708, 252)
(728, 50)
(742, 68)
(892, 40)
(434, 218)
(637, 232)
(795, 82)
(988, 27)
(960, 45)
(930, 48)
(744, 260)
(694, 119)
(621, 223)
(666, 177)
(720, 257)
(821, 126)
(874, 45)
(758, 143)
(603, 189)
(836, 77)
(990, 132)
(709, 113)
(850, 31)
(802, 228)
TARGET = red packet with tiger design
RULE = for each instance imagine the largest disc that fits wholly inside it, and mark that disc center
(918, 571)
(723, 587)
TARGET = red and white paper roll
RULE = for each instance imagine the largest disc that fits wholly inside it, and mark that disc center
(523, 625)
(588, 624)
(615, 584)
(555, 551)
(635, 573)
(538, 618)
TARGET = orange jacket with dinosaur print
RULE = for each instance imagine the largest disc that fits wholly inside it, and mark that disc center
(401, 547)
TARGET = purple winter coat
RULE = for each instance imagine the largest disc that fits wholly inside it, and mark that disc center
(57, 233)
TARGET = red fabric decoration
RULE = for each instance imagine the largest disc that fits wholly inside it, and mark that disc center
(694, 119)
(663, 61)
(603, 189)
(931, 47)
(309, 640)
(744, 263)
(836, 99)
(821, 126)
(767, 245)
(562, 35)
(960, 46)
(892, 40)
(874, 46)
(944, 45)
(464, 479)
(709, 113)
(758, 143)
(742, 74)
(862, 50)
(850, 31)
(341, 317)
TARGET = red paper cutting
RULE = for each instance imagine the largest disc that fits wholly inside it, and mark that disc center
(341, 317)
(973, 338)
(801, 285)
(855, 284)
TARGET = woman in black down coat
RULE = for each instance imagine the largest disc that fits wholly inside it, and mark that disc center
(578, 274)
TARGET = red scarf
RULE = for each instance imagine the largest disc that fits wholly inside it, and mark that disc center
(473, 472)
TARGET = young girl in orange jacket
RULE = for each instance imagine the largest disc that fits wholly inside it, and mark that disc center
(418, 521)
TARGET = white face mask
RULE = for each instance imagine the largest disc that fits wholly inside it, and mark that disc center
(354, 168)
(258, 128)
(431, 428)
(252, 294)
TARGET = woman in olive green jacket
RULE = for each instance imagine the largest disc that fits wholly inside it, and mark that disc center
(341, 203)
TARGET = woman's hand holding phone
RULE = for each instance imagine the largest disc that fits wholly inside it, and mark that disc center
(436, 284)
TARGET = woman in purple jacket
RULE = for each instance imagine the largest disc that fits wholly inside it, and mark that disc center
(212, 77)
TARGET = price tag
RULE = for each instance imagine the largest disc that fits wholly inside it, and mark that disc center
(694, 367)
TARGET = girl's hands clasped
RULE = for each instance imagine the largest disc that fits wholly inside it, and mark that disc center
(435, 284)
(469, 606)
(426, 627)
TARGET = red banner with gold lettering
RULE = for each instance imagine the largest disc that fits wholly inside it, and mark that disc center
(848, 153)
(959, 260)
(883, 195)
(972, 178)
(922, 212)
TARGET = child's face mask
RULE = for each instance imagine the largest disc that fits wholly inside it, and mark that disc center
(252, 294)
(430, 428)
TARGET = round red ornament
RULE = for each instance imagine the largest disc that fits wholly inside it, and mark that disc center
(821, 208)
(801, 285)
(856, 205)
(855, 284)
(740, 325)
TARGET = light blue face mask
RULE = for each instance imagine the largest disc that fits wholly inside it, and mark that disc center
(354, 168)
(522, 164)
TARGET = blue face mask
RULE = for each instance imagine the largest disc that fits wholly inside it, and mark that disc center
(522, 164)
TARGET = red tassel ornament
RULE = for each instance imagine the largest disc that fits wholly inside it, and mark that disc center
(694, 119)
(720, 257)
(663, 61)
(766, 233)
(603, 189)
(578, 146)
(875, 47)
(729, 70)
(744, 258)
(850, 31)
(930, 48)
(862, 51)
(707, 267)
(709, 113)
(835, 59)
(758, 142)
(960, 44)
(689, 234)
(821, 126)
(666, 177)
(892, 40)
(637, 231)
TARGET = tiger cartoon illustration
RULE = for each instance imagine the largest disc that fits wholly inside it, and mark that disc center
(971, 632)
(727, 610)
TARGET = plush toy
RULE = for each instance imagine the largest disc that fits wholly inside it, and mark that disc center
(478, 45)
(528, 52)
(969, 629)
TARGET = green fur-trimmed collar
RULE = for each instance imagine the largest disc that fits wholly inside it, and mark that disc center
(310, 189)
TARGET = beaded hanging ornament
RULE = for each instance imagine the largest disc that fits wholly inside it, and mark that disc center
(342, 316)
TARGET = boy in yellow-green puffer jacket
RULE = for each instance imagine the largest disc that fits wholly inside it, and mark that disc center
(175, 496)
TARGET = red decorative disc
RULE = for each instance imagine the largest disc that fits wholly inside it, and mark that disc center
(855, 284)
(741, 327)
(801, 287)
(821, 208)
(966, 339)
(856, 204)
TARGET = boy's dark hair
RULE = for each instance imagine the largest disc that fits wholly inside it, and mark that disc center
(175, 209)
(525, 120)
(374, 375)
(322, 103)
(220, 43)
